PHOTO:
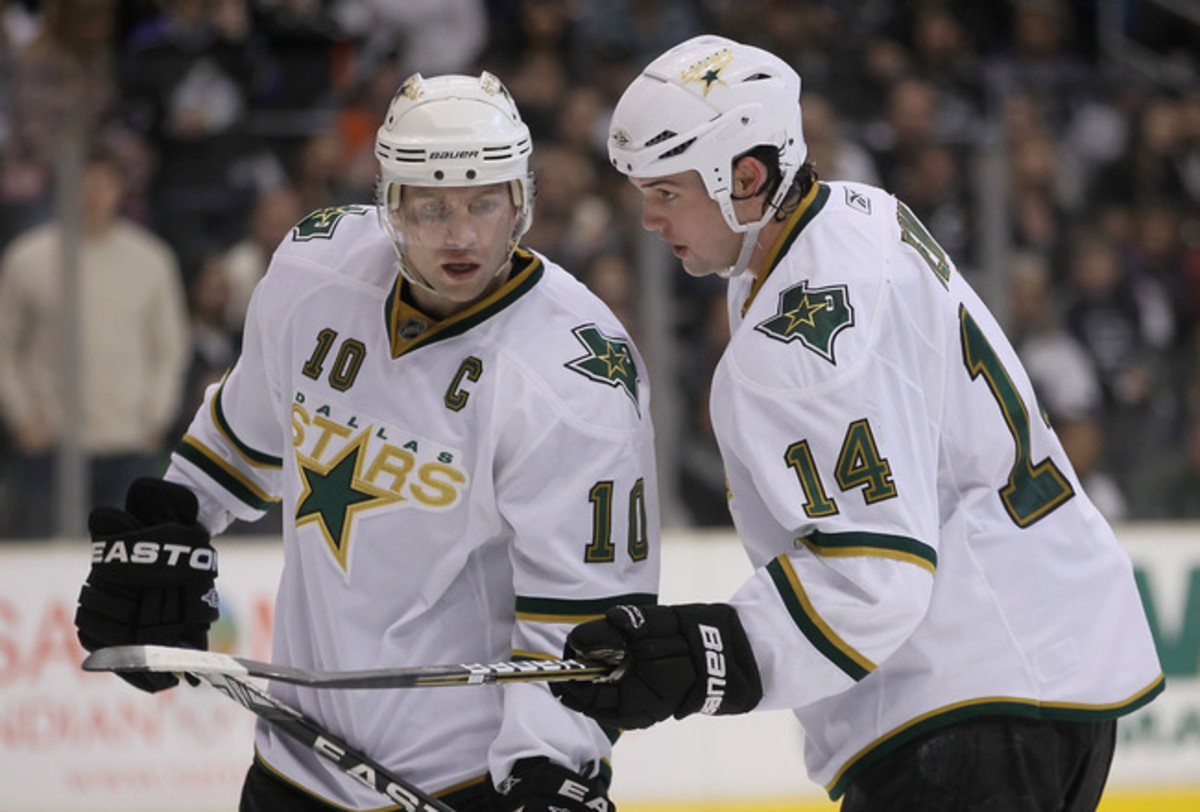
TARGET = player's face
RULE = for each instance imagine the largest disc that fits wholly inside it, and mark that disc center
(457, 240)
(687, 219)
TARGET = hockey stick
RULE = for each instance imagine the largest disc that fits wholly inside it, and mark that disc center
(205, 663)
(290, 721)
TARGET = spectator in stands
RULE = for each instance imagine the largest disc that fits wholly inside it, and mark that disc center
(835, 156)
(188, 82)
(1083, 439)
(1118, 319)
(1063, 374)
(61, 88)
(1151, 169)
(246, 261)
(133, 342)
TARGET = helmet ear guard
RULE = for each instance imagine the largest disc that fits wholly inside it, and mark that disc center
(702, 105)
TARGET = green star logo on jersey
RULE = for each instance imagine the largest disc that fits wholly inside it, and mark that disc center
(814, 317)
(321, 223)
(333, 493)
(608, 360)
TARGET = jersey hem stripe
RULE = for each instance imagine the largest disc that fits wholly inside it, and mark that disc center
(879, 545)
(985, 706)
(224, 474)
(256, 458)
(812, 626)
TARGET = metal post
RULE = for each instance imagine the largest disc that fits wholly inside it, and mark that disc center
(71, 484)
(656, 340)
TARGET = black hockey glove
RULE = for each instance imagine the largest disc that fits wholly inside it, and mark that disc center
(674, 661)
(152, 577)
(540, 785)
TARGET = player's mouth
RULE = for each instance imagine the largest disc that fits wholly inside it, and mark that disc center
(459, 268)
(680, 251)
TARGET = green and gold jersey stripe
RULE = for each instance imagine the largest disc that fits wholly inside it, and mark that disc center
(812, 625)
(255, 458)
(560, 610)
(878, 545)
(986, 706)
(224, 474)
(809, 206)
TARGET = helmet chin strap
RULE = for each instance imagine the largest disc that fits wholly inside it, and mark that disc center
(749, 241)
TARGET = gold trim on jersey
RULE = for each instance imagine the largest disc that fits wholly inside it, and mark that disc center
(822, 636)
(848, 545)
(409, 327)
(810, 204)
(208, 457)
(986, 706)
(258, 459)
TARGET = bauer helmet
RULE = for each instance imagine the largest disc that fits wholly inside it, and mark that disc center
(700, 106)
(452, 131)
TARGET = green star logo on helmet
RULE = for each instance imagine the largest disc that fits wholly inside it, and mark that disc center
(709, 70)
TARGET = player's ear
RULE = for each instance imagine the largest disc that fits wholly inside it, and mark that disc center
(749, 177)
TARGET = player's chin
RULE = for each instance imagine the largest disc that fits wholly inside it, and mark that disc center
(695, 267)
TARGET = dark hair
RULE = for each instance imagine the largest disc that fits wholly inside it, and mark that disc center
(802, 182)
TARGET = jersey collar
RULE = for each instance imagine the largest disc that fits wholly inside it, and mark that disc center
(410, 328)
(811, 203)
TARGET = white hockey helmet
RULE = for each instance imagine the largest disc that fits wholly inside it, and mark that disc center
(701, 105)
(452, 130)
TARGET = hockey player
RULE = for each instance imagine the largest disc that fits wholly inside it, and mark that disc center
(460, 436)
(947, 614)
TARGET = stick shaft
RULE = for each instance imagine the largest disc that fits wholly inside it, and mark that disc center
(176, 660)
(290, 721)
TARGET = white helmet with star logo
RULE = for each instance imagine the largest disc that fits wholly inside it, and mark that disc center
(700, 106)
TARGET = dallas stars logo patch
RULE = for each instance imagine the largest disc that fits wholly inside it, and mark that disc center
(321, 223)
(814, 317)
(607, 361)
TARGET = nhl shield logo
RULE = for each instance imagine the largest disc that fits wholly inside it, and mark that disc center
(812, 316)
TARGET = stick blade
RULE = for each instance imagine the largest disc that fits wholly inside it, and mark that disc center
(163, 659)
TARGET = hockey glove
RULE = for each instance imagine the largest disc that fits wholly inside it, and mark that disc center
(673, 661)
(152, 577)
(540, 785)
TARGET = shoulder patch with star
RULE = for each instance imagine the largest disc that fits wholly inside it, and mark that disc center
(812, 316)
(608, 360)
(321, 224)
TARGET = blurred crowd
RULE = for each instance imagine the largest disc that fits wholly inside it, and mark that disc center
(207, 128)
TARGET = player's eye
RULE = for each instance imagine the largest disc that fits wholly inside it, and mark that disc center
(484, 205)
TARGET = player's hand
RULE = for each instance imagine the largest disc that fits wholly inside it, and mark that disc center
(540, 785)
(673, 661)
(152, 577)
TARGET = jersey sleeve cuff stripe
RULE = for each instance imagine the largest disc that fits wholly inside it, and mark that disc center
(224, 474)
(255, 458)
(561, 610)
(812, 626)
(879, 545)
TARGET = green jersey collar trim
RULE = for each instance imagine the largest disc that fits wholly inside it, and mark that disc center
(410, 329)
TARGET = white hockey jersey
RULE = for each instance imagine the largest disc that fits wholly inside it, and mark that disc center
(456, 491)
(924, 552)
